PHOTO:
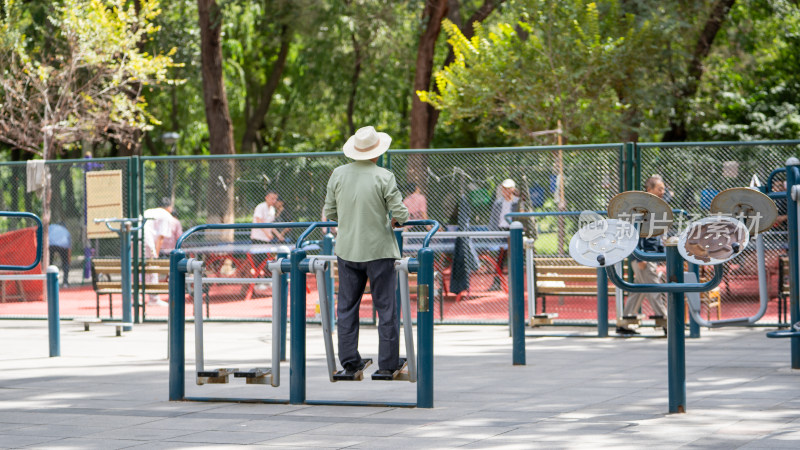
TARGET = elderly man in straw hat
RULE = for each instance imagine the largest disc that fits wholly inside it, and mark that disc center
(360, 197)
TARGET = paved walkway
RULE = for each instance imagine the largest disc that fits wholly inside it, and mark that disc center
(109, 392)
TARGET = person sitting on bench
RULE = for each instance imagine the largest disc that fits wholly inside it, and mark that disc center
(360, 195)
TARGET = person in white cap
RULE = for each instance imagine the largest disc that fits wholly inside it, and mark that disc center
(360, 196)
(507, 202)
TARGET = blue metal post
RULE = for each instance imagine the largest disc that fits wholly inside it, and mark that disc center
(516, 289)
(676, 345)
(53, 325)
(602, 302)
(327, 249)
(125, 262)
(284, 281)
(177, 321)
(794, 262)
(425, 331)
(297, 363)
(398, 236)
(694, 327)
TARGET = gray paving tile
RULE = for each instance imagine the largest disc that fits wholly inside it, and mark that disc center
(16, 441)
(86, 444)
(226, 437)
(57, 430)
(318, 440)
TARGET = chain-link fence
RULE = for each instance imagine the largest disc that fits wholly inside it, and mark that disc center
(461, 189)
(694, 174)
(25, 189)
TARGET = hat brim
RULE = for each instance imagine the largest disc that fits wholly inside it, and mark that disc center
(384, 141)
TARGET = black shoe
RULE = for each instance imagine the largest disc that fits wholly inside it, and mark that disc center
(665, 331)
(495, 285)
(626, 331)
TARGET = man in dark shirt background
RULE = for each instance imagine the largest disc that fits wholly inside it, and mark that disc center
(647, 272)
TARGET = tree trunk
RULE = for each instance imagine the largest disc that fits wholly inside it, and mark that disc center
(468, 30)
(435, 10)
(351, 102)
(677, 124)
(256, 120)
(220, 128)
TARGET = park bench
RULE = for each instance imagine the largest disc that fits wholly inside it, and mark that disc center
(107, 279)
(563, 277)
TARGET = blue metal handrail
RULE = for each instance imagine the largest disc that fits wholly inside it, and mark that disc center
(425, 243)
(241, 226)
(666, 287)
(39, 228)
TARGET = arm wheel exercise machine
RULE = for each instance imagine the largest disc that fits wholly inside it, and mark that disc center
(710, 241)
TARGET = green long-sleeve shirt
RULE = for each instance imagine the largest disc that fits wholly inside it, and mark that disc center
(360, 197)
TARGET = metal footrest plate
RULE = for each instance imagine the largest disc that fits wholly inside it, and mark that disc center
(219, 376)
(543, 319)
(357, 375)
(400, 374)
(255, 376)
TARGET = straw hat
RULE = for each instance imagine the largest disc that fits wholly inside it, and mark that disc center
(366, 144)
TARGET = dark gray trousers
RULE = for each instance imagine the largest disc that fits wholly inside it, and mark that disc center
(353, 278)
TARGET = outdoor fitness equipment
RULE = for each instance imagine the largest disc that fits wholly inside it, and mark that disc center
(516, 283)
(126, 267)
(180, 265)
(298, 265)
(792, 196)
(50, 278)
(600, 245)
(736, 205)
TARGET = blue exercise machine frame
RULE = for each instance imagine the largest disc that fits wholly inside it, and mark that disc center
(297, 265)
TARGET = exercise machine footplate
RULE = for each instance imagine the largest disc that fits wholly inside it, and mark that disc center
(356, 375)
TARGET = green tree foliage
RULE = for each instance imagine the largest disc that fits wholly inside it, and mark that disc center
(753, 89)
(559, 61)
(85, 84)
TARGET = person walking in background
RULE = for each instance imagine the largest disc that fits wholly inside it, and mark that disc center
(360, 195)
(156, 230)
(60, 243)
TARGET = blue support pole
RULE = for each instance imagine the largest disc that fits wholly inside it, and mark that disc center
(297, 363)
(516, 289)
(125, 262)
(53, 317)
(284, 281)
(676, 345)
(602, 302)
(327, 249)
(425, 331)
(398, 236)
(177, 324)
(694, 327)
(792, 179)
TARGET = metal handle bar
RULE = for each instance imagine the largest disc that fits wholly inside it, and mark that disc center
(311, 227)
(108, 223)
(666, 287)
(39, 228)
(435, 227)
(513, 215)
(425, 243)
(239, 226)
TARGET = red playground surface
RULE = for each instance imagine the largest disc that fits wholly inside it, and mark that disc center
(228, 302)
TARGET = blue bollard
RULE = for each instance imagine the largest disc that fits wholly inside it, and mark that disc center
(125, 262)
(53, 317)
(792, 179)
(602, 303)
(676, 345)
(177, 323)
(297, 364)
(425, 331)
(516, 289)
